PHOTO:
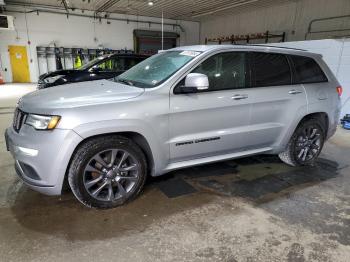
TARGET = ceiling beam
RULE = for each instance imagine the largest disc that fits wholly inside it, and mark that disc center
(106, 5)
(128, 20)
(192, 10)
(219, 9)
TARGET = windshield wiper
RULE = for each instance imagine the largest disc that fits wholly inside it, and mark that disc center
(124, 81)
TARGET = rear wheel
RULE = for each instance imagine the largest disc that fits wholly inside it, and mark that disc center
(107, 172)
(305, 145)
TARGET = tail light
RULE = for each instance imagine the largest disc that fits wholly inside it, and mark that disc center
(339, 90)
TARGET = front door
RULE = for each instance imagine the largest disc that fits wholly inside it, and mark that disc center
(213, 122)
(19, 64)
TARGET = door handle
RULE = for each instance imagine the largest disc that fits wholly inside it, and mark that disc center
(294, 92)
(239, 97)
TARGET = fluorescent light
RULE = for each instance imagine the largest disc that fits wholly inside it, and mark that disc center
(150, 3)
(225, 8)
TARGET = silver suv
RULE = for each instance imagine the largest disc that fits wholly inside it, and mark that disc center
(183, 107)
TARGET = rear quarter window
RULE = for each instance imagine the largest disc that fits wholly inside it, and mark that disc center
(307, 70)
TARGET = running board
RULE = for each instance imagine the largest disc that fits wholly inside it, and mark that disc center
(211, 159)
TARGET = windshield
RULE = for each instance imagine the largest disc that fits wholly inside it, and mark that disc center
(92, 62)
(156, 69)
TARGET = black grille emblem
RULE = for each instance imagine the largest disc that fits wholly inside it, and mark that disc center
(18, 120)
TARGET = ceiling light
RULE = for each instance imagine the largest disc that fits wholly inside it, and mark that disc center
(150, 3)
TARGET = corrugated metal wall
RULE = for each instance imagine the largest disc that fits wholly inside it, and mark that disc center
(292, 17)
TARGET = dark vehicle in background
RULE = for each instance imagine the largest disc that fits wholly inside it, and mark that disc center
(103, 67)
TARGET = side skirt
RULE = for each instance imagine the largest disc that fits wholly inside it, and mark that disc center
(211, 159)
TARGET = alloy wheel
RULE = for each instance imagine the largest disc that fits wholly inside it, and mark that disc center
(308, 144)
(111, 175)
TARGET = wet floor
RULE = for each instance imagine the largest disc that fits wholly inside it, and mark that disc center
(250, 209)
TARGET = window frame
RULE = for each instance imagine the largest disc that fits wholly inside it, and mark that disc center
(247, 76)
(252, 68)
(296, 77)
(100, 63)
(118, 57)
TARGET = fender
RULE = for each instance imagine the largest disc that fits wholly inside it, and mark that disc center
(160, 152)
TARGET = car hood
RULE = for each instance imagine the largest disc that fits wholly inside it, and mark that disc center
(77, 95)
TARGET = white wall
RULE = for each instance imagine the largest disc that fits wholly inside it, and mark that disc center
(47, 28)
(291, 17)
(336, 54)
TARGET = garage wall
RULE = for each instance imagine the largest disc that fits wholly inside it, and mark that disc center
(292, 17)
(45, 29)
(336, 54)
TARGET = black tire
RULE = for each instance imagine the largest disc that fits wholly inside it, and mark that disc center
(82, 159)
(291, 155)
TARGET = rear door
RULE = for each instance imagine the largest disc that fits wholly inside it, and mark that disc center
(277, 102)
(216, 121)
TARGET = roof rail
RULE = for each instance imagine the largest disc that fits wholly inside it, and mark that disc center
(263, 45)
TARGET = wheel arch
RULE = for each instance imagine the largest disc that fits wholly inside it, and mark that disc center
(321, 116)
(136, 137)
(287, 155)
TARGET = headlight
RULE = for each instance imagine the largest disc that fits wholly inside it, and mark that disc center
(52, 79)
(41, 122)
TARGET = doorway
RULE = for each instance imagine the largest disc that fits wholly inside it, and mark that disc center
(19, 64)
(150, 42)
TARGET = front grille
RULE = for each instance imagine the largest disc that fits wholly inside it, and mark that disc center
(18, 119)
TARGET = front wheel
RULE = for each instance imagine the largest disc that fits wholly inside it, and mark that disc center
(305, 145)
(107, 171)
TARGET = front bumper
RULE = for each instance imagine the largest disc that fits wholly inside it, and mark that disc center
(42, 157)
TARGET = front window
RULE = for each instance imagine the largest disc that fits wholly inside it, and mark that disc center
(113, 64)
(156, 69)
(225, 71)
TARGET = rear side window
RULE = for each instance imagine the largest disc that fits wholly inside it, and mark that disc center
(307, 70)
(270, 70)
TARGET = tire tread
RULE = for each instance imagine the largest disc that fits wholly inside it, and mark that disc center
(287, 156)
(79, 158)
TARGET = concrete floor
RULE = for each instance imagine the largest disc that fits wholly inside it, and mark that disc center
(251, 209)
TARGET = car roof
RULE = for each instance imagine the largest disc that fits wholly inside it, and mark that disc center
(248, 47)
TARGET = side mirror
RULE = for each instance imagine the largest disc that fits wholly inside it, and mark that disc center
(194, 82)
